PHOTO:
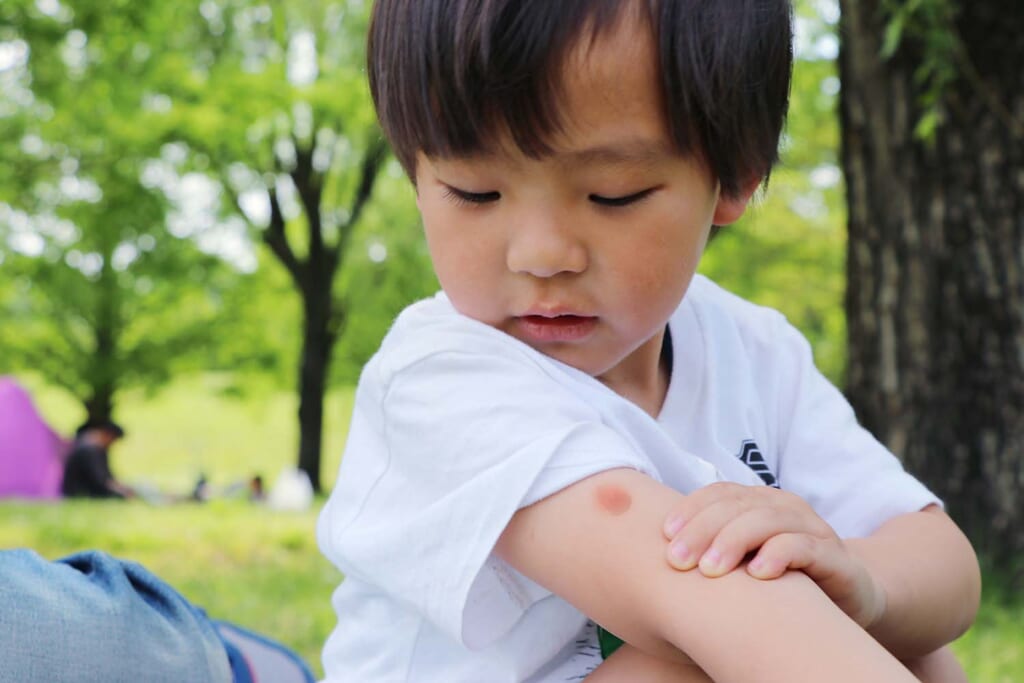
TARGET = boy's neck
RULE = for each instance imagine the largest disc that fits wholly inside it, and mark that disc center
(643, 378)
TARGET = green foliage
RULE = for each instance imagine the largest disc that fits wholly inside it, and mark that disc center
(212, 88)
(99, 292)
(377, 290)
(129, 102)
(931, 26)
(788, 252)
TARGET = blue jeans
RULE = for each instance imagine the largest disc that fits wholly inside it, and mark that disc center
(90, 618)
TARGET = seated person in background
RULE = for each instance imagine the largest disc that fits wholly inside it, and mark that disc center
(87, 470)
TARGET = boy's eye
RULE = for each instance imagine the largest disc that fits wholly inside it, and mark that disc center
(625, 200)
(463, 197)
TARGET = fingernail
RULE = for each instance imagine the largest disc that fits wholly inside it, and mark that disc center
(673, 525)
(711, 561)
(680, 555)
(756, 566)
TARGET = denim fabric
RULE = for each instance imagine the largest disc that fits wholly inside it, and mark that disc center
(90, 618)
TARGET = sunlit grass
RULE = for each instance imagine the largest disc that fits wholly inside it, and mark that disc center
(198, 425)
(993, 650)
(261, 568)
(240, 562)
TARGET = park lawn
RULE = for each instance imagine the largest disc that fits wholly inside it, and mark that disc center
(993, 650)
(205, 425)
(261, 568)
(241, 562)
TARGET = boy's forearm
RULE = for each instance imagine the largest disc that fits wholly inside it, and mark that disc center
(931, 579)
(736, 628)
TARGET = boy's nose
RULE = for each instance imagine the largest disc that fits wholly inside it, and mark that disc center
(545, 250)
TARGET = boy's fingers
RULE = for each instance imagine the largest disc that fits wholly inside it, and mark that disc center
(793, 551)
(702, 498)
(689, 545)
(846, 582)
(779, 554)
(743, 534)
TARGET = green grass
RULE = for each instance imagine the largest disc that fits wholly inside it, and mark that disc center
(261, 568)
(199, 425)
(243, 563)
(993, 650)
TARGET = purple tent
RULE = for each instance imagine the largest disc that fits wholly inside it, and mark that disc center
(31, 454)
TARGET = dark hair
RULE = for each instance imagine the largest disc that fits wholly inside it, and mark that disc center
(446, 74)
(106, 425)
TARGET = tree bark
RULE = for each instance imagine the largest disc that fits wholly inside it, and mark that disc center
(317, 344)
(935, 295)
(102, 367)
(324, 314)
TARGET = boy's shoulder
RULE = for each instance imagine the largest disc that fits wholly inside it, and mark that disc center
(720, 312)
(432, 325)
(432, 329)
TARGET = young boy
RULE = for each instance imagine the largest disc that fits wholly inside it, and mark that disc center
(550, 442)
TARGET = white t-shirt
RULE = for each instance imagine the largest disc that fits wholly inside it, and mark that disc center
(457, 425)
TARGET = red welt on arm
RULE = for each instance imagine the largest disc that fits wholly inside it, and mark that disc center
(613, 499)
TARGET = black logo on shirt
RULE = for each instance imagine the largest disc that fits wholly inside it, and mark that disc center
(751, 455)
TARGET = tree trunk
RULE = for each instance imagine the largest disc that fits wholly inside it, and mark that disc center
(935, 295)
(324, 317)
(102, 367)
(317, 344)
(100, 404)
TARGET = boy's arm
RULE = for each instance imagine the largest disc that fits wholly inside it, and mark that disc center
(913, 583)
(931, 580)
(598, 544)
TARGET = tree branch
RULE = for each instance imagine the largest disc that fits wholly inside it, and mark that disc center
(51, 367)
(274, 237)
(309, 185)
(233, 196)
(372, 161)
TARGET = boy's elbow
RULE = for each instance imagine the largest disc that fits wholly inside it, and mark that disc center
(970, 597)
(962, 562)
(972, 601)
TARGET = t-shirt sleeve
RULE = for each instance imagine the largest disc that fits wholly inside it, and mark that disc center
(467, 439)
(853, 481)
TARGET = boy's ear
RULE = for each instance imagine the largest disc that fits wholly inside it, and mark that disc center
(730, 209)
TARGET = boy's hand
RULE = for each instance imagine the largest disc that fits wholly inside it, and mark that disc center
(717, 526)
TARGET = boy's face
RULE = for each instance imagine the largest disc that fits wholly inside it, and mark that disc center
(585, 253)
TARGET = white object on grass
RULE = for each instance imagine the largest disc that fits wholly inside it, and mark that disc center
(292, 491)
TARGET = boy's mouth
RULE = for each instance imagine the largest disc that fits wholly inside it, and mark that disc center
(556, 328)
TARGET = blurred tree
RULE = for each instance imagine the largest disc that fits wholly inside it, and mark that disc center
(99, 294)
(251, 115)
(787, 252)
(271, 100)
(933, 152)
